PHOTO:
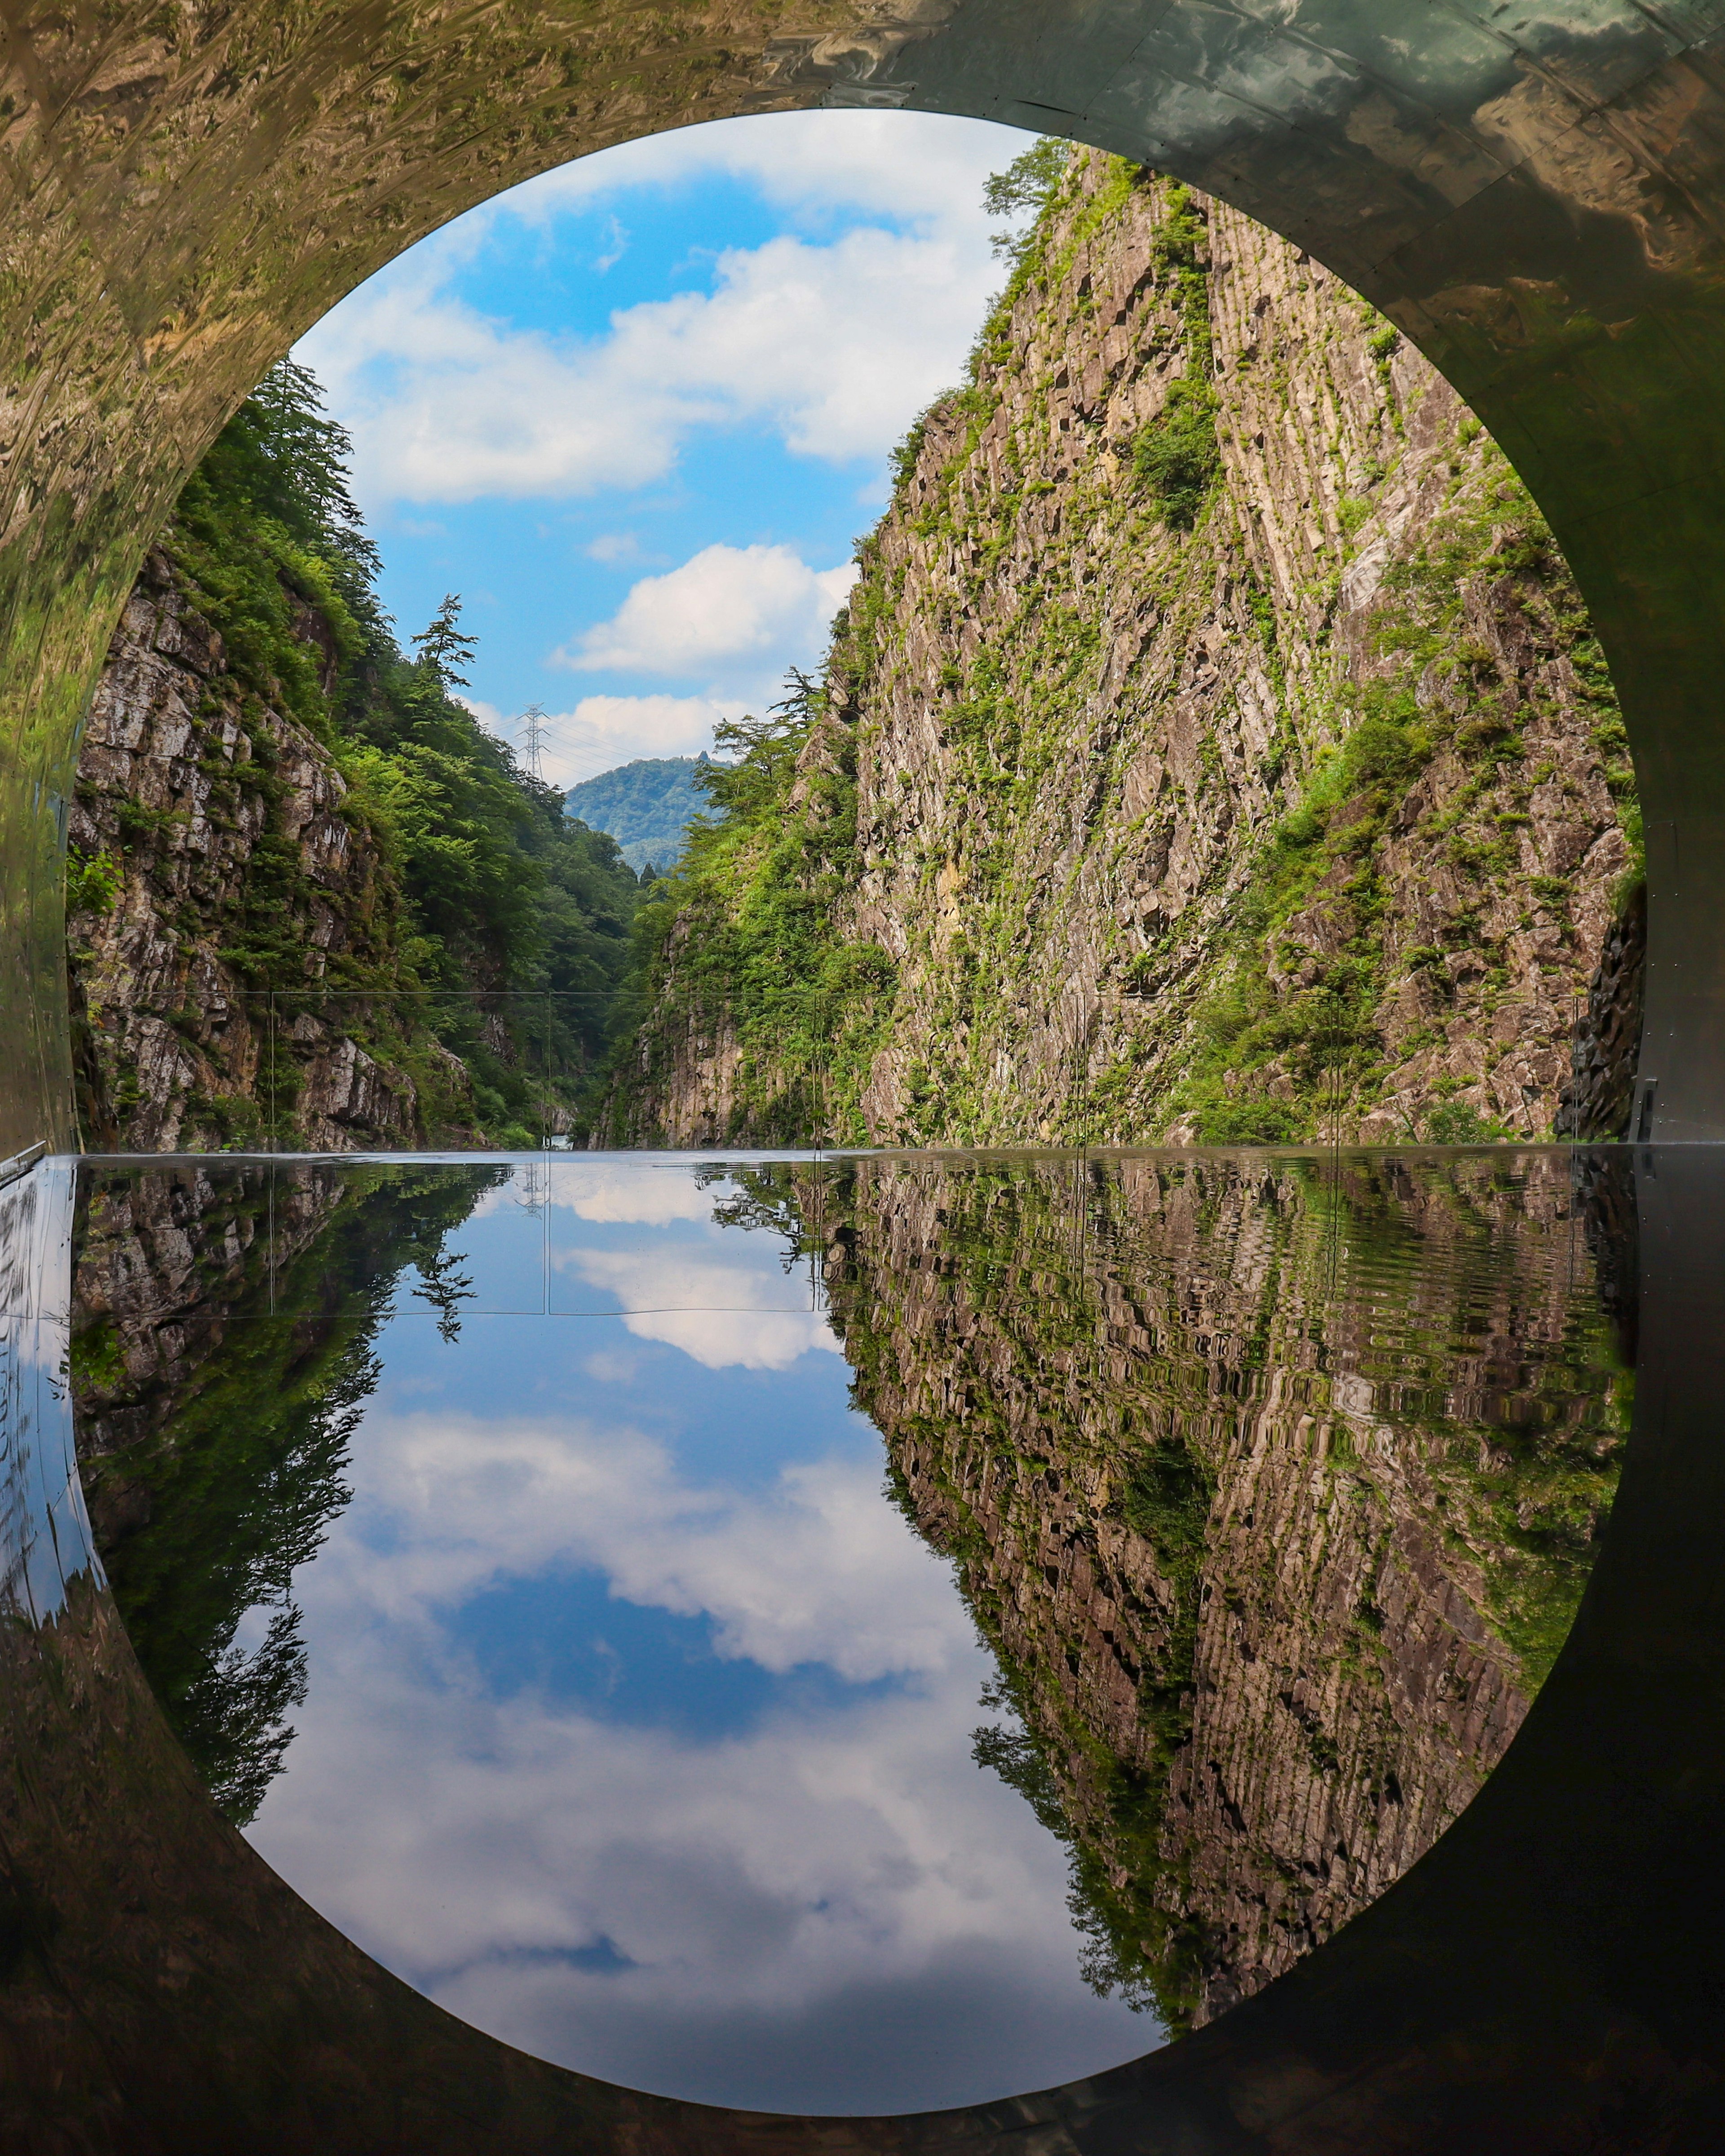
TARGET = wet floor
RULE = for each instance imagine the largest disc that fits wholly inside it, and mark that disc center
(849, 1636)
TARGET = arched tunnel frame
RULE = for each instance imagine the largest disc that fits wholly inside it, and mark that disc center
(1534, 195)
(1533, 191)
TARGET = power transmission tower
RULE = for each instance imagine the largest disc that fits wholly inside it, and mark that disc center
(533, 732)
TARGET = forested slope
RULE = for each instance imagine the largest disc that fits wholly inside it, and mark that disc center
(646, 806)
(311, 901)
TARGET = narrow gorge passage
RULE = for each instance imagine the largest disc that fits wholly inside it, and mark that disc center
(1214, 746)
(1045, 1481)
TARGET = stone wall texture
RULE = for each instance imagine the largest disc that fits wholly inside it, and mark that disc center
(222, 819)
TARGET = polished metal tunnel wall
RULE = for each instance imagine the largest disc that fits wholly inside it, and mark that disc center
(1534, 190)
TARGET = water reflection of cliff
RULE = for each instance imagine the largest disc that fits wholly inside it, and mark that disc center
(1273, 1484)
(224, 1321)
(1275, 1489)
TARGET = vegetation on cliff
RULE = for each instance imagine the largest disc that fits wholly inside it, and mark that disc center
(484, 889)
(739, 940)
(501, 890)
(1281, 1009)
(231, 1466)
(1214, 745)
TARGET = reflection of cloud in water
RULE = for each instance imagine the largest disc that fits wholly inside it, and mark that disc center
(738, 1310)
(976, 2018)
(652, 1197)
(817, 1567)
(721, 1295)
(742, 1892)
(778, 1916)
(611, 1366)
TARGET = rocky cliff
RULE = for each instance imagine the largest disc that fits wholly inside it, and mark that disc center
(226, 828)
(311, 902)
(1274, 1488)
(1215, 746)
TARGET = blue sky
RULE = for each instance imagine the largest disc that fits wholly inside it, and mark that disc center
(639, 1726)
(637, 411)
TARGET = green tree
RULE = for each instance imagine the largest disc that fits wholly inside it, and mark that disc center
(443, 649)
(491, 888)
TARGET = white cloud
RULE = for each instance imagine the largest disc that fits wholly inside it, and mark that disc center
(614, 546)
(600, 732)
(923, 166)
(447, 405)
(835, 344)
(724, 605)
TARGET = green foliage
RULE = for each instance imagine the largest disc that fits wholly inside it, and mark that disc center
(441, 648)
(1282, 1002)
(1020, 1762)
(1177, 455)
(93, 882)
(1026, 188)
(1247, 1123)
(1456, 1123)
(288, 462)
(244, 1465)
(742, 938)
(1323, 852)
(906, 453)
(267, 537)
(763, 752)
(487, 885)
(646, 806)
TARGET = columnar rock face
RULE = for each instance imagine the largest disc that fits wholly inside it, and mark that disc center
(1605, 1052)
(1232, 756)
(1275, 1490)
(224, 822)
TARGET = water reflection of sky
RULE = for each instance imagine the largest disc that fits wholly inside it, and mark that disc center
(639, 1726)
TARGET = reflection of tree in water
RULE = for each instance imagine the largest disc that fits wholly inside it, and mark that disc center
(1273, 1491)
(215, 1412)
(445, 1289)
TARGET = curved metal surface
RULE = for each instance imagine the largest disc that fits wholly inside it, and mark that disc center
(1532, 189)
(1543, 1980)
(1535, 192)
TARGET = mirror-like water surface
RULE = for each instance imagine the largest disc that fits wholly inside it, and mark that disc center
(854, 1636)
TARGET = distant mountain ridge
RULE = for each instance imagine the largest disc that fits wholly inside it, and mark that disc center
(645, 806)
